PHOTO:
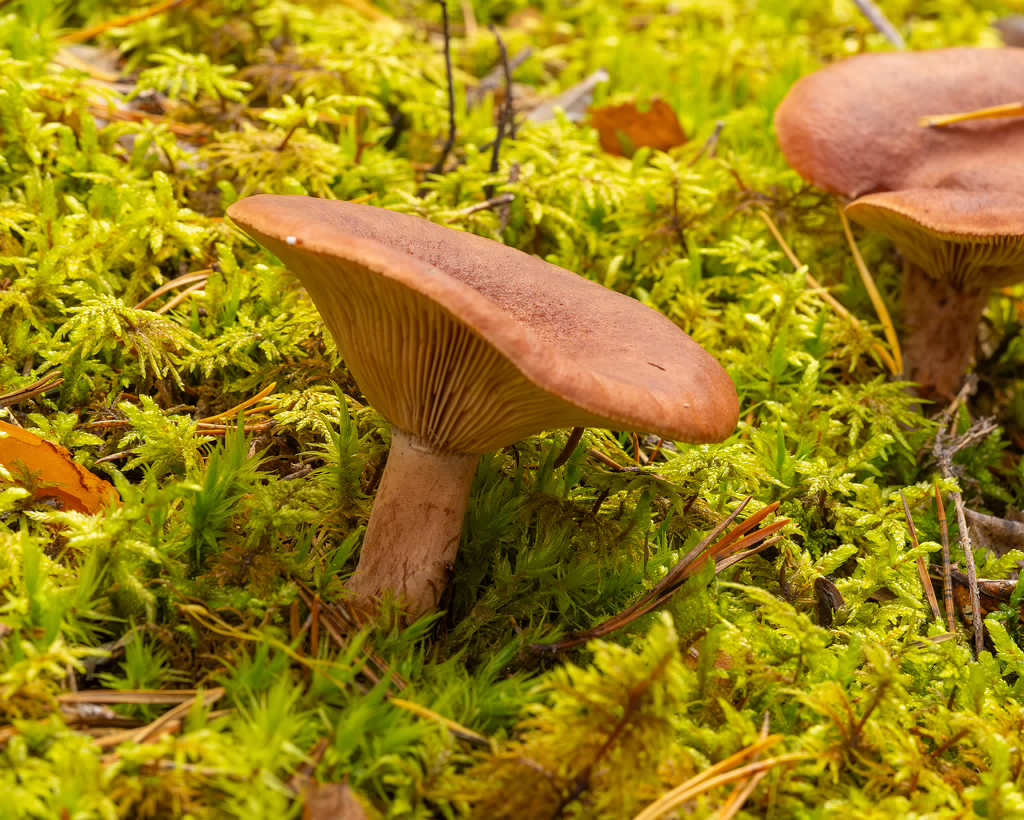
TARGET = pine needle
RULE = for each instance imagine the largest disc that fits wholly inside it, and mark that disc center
(86, 34)
(720, 774)
(826, 297)
(947, 570)
(456, 729)
(994, 112)
(922, 568)
(876, 297)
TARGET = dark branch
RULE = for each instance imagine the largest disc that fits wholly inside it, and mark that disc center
(450, 142)
(505, 118)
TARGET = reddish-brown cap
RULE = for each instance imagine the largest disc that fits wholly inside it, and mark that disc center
(472, 345)
(853, 128)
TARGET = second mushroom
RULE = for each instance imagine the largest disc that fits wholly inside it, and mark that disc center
(467, 346)
(951, 199)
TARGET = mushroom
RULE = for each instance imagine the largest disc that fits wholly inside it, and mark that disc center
(951, 199)
(465, 346)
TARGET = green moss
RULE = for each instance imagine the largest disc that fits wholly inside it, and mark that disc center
(204, 576)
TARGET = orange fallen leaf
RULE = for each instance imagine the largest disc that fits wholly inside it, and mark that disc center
(50, 472)
(624, 128)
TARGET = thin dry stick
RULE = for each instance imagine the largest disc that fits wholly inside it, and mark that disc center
(37, 388)
(710, 145)
(994, 112)
(947, 570)
(876, 297)
(450, 142)
(486, 205)
(86, 34)
(947, 445)
(506, 111)
(922, 567)
(826, 297)
(882, 23)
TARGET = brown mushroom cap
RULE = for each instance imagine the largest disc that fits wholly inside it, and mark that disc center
(472, 345)
(852, 128)
(968, 238)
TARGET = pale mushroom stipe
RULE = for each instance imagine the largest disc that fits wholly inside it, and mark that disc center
(466, 346)
(951, 199)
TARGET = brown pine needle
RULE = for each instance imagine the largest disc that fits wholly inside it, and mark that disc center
(742, 792)
(181, 297)
(994, 112)
(922, 567)
(947, 570)
(153, 730)
(143, 697)
(826, 297)
(456, 729)
(174, 284)
(876, 298)
(720, 774)
(246, 407)
(85, 34)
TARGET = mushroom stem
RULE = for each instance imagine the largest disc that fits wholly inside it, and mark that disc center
(416, 524)
(941, 327)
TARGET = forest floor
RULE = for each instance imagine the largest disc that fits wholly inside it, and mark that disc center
(186, 650)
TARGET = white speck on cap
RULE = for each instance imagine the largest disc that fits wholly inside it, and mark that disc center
(291, 240)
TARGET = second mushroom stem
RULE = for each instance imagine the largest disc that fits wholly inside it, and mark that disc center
(416, 524)
(941, 326)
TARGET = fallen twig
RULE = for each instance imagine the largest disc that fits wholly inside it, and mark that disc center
(882, 23)
(947, 445)
(37, 388)
(486, 205)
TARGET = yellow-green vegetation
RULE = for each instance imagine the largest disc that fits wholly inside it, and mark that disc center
(204, 576)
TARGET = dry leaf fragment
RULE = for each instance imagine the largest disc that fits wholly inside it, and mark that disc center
(624, 128)
(52, 472)
(332, 801)
(573, 101)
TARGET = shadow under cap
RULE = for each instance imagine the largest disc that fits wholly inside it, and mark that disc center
(472, 345)
(852, 128)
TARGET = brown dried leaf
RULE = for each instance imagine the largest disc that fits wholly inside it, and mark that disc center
(332, 801)
(49, 472)
(624, 128)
